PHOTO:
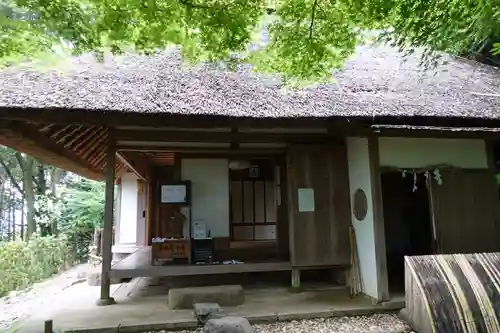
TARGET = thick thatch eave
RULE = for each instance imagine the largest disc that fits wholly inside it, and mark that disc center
(60, 115)
(376, 82)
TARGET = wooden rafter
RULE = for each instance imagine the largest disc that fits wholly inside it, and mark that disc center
(87, 131)
(94, 145)
(98, 160)
(68, 134)
(82, 144)
(45, 128)
(30, 140)
(56, 134)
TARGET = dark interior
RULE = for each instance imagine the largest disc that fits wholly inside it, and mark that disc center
(407, 220)
(496, 156)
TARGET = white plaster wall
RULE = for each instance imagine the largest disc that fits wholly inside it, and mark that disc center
(359, 177)
(127, 231)
(141, 216)
(422, 152)
(209, 192)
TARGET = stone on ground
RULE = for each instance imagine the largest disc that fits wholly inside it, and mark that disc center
(94, 279)
(185, 298)
(205, 311)
(228, 325)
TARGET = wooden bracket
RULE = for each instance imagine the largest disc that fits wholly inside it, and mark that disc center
(137, 163)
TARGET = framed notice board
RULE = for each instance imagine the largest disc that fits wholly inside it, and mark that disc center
(178, 193)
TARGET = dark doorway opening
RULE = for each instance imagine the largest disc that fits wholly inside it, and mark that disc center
(407, 222)
(496, 157)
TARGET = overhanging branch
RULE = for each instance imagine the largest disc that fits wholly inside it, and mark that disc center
(193, 5)
(11, 177)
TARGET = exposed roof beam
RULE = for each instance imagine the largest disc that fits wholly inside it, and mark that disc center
(173, 144)
(120, 170)
(138, 164)
(283, 130)
(27, 139)
(436, 132)
(175, 129)
(184, 136)
(203, 150)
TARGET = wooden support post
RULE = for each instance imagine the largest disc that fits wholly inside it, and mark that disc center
(48, 327)
(295, 279)
(106, 298)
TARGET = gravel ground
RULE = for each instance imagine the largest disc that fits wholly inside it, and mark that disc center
(378, 323)
(21, 304)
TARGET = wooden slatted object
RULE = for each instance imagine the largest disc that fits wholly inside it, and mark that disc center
(453, 293)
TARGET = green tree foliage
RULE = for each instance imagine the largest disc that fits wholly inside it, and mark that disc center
(465, 28)
(82, 211)
(64, 210)
(307, 38)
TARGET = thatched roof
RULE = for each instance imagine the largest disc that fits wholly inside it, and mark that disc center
(375, 82)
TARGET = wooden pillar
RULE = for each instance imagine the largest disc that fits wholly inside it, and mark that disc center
(295, 279)
(106, 298)
(378, 220)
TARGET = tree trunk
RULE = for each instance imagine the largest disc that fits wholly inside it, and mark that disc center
(29, 189)
(10, 226)
(3, 194)
(42, 180)
(41, 191)
(55, 179)
(14, 209)
(22, 219)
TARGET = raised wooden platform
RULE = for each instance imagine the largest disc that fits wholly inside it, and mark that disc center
(138, 264)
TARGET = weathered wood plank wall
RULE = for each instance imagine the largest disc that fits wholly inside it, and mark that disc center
(466, 210)
(160, 175)
(319, 238)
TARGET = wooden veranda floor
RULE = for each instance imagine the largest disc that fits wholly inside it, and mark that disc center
(138, 264)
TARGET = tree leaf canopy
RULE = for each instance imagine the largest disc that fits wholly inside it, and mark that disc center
(304, 39)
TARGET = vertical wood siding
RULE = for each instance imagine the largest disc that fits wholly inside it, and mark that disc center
(466, 211)
(319, 238)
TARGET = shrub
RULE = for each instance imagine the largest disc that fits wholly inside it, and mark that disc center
(79, 237)
(23, 263)
(83, 211)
